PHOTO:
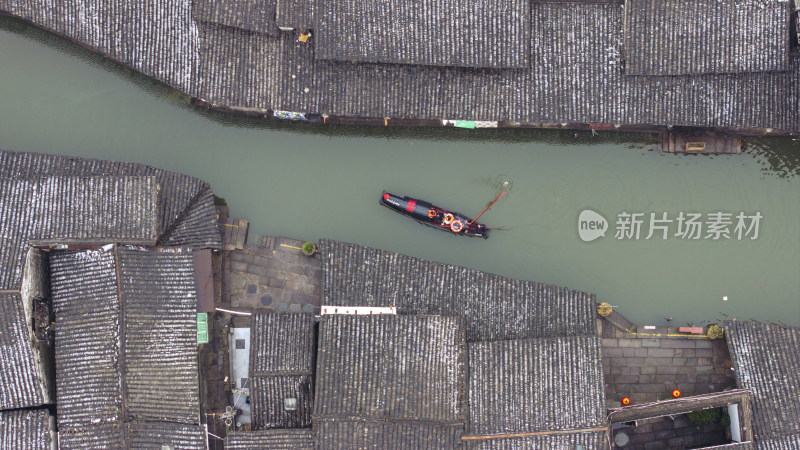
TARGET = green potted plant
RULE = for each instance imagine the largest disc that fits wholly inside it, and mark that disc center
(309, 248)
(704, 416)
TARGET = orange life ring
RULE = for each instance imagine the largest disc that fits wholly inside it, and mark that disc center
(448, 219)
(457, 226)
(431, 213)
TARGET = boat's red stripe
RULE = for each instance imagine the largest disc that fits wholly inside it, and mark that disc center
(411, 205)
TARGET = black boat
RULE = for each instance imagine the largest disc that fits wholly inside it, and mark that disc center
(434, 216)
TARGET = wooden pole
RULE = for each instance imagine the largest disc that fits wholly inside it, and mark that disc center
(487, 208)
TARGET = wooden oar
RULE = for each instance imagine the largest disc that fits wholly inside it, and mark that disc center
(487, 208)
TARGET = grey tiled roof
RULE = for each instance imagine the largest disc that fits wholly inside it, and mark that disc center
(297, 14)
(134, 435)
(281, 358)
(25, 429)
(180, 195)
(86, 307)
(158, 38)
(492, 307)
(594, 440)
(575, 76)
(125, 340)
(156, 435)
(465, 33)
(197, 226)
(95, 437)
(346, 434)
(20, 383)
(160, 335)
(668, 37)
(252, 15)
(73, 209)
(294, 439)
(534, 385)
(383, 379)
(575, 73)
(766, 360)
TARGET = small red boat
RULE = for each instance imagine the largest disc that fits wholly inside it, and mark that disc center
(434, 216)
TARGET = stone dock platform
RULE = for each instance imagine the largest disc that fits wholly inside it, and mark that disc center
(275, 275)
(647, 365)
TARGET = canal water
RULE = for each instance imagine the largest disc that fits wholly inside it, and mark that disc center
(308, 182)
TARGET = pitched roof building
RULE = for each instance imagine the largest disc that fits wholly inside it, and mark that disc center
(485, 34)
(666, 37)
(126, 349)
(492, 307)
(23, 380)
(176, 209)
(537, 387)
(390, 381)
(636, 63)
(276, 439)
(766, 360)
(59, 209)
(281, 368)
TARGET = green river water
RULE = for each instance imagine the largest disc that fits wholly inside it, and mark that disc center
(309, 181)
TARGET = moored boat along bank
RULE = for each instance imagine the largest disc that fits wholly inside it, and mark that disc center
(601, 65)
(336, 345)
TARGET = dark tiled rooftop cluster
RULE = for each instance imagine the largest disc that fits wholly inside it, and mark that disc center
(112, 391)
(126, 350)
(766, 360)
(571, 65)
